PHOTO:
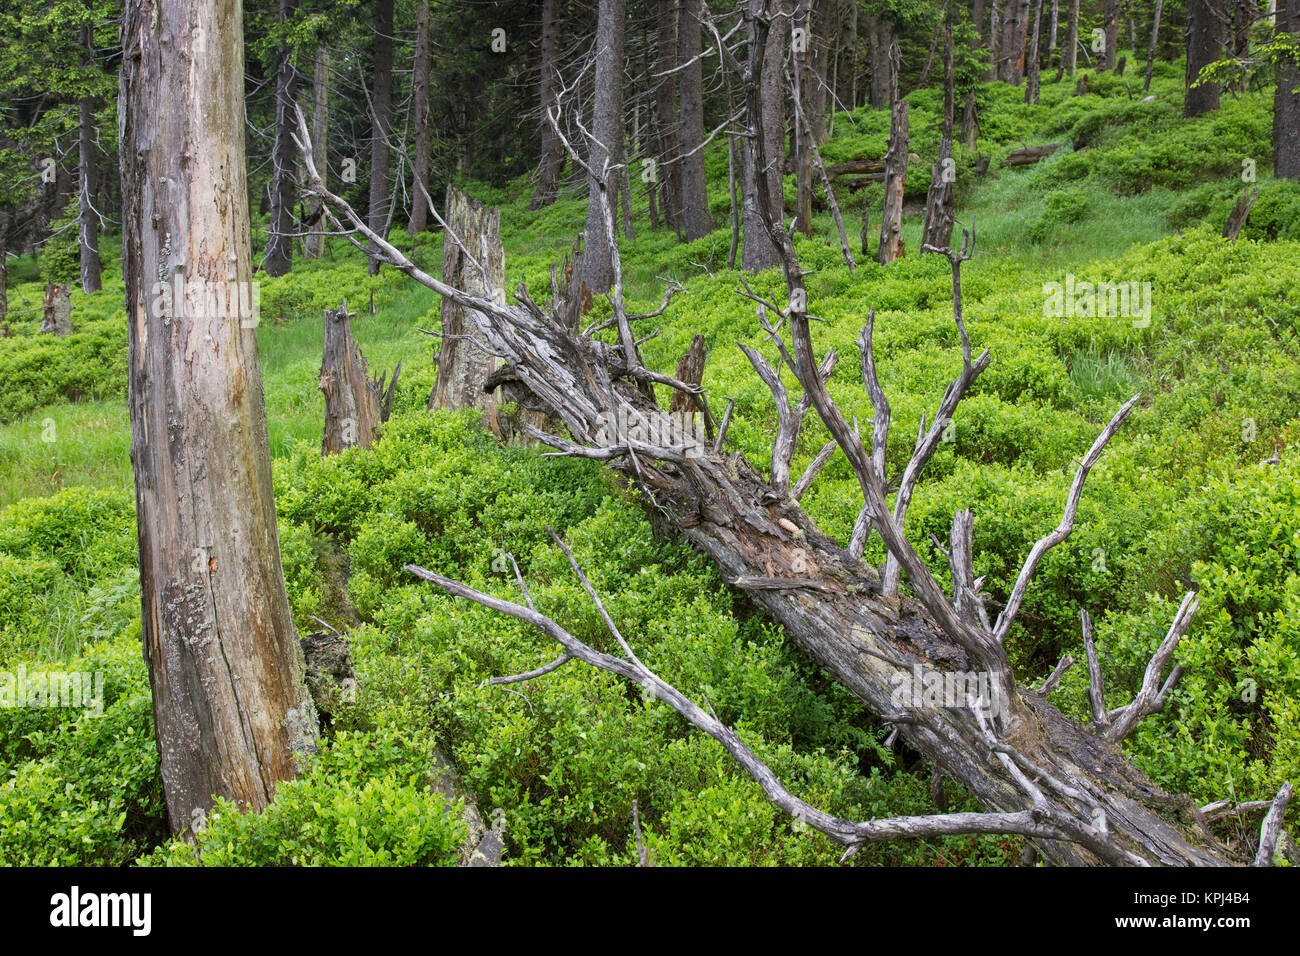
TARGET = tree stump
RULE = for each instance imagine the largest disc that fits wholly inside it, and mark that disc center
(352, 405)
(1240, 212)
(58, 310)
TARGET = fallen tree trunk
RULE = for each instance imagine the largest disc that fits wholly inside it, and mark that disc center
(1028, 155)
(837, 608)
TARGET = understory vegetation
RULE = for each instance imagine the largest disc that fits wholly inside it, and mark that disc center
(1201, 489)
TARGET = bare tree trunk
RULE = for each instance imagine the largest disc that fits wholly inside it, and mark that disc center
(668, 126)
(891, 225)
(696, 220)
(1151, 50)
(284, 175)
(351, 398)
(89, 218)
(940, 213)
(757, 251)
(819, 74)
(1286, 100)
(884, 73)
(420, 105)
(1052, 30)
(231, 710)
(606, 149)
(1072, 39)
(552, 151)
(57, 310)
(800, 73)
(1032, 69)
(380, 123)
(1207, 32)
(320, 124)
(995, 37)
(1110, 27)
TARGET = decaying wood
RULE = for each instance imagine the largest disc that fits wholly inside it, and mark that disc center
(57, 310)
(1028, 155)
(1038, 773)
(856, 167)
(1240, 212)
(891, 225)
(352, 400)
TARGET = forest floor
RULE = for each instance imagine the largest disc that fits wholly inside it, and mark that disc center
(1136, 195)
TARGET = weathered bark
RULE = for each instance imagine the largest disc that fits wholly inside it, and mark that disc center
(1028, 155)
(465, 360)
(1151, 50)
(1072, 39)
(940, 212)
(1286, 100)
(57, 309)
(284, 175)
(89, 218)
(1054, 28)
(995, 37)
(352, 400)
(891, 225)
(231, 710)
(320, 124)
(604, 150)
(380, 124)
(757, 252)
(1240, 212)
(802, 136)
(818, 77)
(420, 121)
(552, 151)
(696, 220)
(1207, 32)
(970, 123)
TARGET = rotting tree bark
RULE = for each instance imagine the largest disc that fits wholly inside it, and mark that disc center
(352, 400)
(891, 224)
(231, 710)
(832, 604)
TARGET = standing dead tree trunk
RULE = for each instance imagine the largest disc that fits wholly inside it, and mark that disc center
(1032, 67)
(1151, 50)
(552, 153)
(1240, 212)
(1072, 39)
(352, 399)
(696, 221)
(1069, 790)
(89, 178)
(423, 134)
(604, 142)
(231, 709)
(320, 122)
(940, 213)
(380, 125)
(891, 225)
(57, 314)
(284, 173)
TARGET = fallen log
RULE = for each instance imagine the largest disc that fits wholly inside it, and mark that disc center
(1028, 155)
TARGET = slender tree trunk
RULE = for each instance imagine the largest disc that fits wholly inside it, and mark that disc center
(1151, 50)
(89, 218)
(757, 251)
(800, 74)
(819, 75)
(1286, 100)
(420, 105)
(320, 123)
(1052, 30)
(1206, 35)
(1110, 26)
(884, 78)
(1072, 39)
(696, 220)
(995, 37)
(231, 711)
(607, 128)
(284, 174)
(552, 151)
(380, 122)
(1032, 66)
